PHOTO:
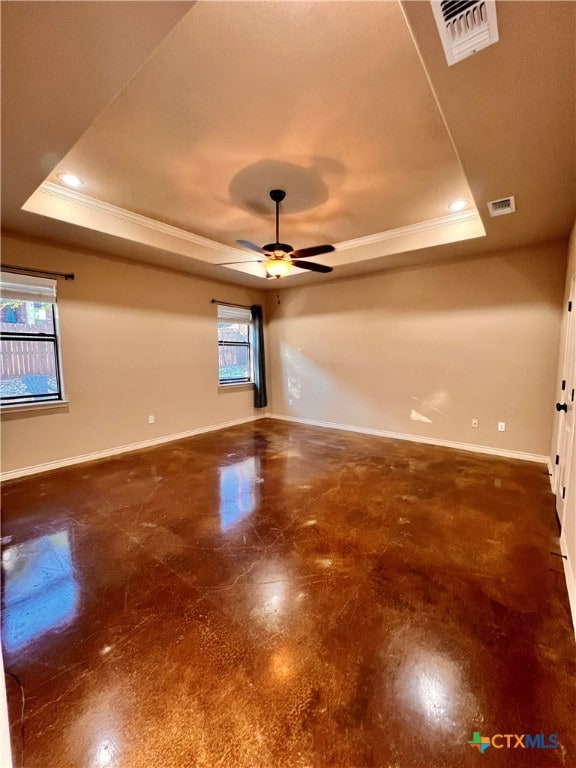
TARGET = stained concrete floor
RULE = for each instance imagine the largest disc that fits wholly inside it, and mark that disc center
(279, 596)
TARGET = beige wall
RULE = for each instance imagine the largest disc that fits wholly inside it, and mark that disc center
(448, 343)
(135, 341)
(424, 351)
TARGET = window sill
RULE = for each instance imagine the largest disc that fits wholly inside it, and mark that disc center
(20, 407)
(243, 386)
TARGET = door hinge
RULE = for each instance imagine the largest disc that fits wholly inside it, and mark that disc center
(558, 554)
(564, 492)
(572, 396)
(570, 306)
(557, 459)
(563, 387)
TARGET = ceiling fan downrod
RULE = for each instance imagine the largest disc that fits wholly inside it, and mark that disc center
(278, 249)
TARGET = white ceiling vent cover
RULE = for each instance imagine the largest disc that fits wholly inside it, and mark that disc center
(502, 207)
(465, 26)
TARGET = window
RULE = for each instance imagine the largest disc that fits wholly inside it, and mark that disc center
(234, 344)
(29, 344)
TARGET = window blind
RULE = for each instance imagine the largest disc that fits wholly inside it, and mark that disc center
(234, 314)
(27, 288)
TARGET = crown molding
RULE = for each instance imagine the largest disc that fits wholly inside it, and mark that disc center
(77, 198)
(122, 214)
(411, 229)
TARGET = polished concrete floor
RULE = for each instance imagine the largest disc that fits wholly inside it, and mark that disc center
(279, 596)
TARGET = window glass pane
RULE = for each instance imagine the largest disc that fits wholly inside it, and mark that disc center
(28, 369)
(26, 317)
(233, 332)
(234, 363)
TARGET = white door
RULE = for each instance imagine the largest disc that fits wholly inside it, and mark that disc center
(566, 407)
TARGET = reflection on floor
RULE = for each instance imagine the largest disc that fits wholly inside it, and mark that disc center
(277, 596)
(238, 490)
(41, 592)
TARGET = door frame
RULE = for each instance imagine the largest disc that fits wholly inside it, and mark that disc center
(566, 432)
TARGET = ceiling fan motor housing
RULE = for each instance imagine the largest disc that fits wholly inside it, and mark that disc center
(284, 247)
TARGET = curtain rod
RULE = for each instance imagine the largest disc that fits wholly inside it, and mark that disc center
(30, 271)
(228, 304)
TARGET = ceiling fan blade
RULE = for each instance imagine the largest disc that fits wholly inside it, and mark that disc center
(228, 263)
(311, 265)
(315, 250)
(250, 246)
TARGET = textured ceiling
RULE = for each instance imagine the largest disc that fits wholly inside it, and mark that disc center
(181, 117)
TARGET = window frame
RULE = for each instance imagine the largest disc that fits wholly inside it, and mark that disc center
(47, 400)
(248, 345)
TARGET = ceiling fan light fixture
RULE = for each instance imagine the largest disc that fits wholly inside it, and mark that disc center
(458, 205)
(277, 267)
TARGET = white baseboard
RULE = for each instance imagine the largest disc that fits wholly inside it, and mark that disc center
(418, 439)
(570, 575)
(70, 461)
(96, 455)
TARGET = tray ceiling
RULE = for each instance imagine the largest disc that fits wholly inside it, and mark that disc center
(347, 106)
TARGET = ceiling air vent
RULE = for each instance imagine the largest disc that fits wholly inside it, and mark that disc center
(465, 26)
(502, 207)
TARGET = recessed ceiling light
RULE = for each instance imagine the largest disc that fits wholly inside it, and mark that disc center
(70, 179)
(458, 205)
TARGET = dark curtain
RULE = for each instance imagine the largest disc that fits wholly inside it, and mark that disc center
(260, 398)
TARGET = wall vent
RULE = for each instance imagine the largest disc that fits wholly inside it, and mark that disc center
(465, 26)
(502, 207)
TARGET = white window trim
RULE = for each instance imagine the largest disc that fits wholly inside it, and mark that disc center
(40, 406)
(238, 385)
(249, 384)
(43, 287)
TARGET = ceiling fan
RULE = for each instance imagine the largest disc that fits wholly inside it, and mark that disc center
(281, 257)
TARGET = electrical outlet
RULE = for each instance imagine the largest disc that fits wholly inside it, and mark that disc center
(501, 426)
(475, 423)
(151, 419)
